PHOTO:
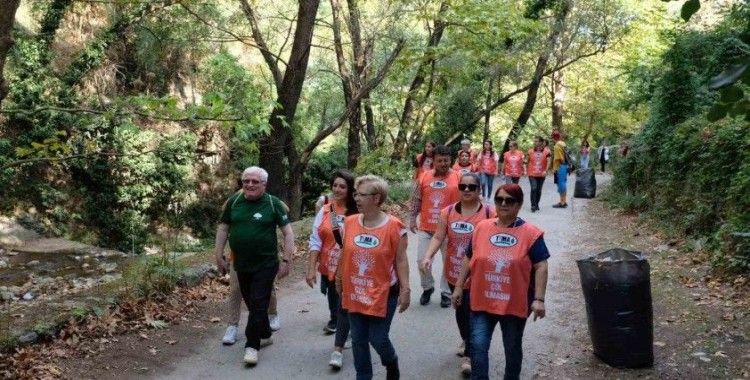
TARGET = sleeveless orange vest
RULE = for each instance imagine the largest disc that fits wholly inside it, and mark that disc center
(459, 230)
(487, 163)
(513, 164)
(437, 192)
(461, 170)
(501, 268)
(329, 250)
(368, 265)
(537, 163)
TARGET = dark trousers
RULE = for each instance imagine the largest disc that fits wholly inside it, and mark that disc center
(602, 161)
(368, 330)
(482, 327)
(536, 184)
(342, 325)
(328, 287)
(256, 290)
(463, 313)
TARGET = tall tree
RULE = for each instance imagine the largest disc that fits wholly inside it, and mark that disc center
(426, 64)
(7, 16)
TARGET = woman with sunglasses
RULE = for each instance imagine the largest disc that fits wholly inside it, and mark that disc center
(325, 249)
(373, 276)
(508, 278)
(456, 225)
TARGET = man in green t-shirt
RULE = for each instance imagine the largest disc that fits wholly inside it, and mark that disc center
(249, 220)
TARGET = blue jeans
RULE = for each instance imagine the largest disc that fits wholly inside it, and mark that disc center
(373, 330)
(584, 161)
(482, 326)
(562, 179)
(485, 182)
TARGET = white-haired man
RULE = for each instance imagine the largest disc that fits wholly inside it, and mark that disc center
(249, 220)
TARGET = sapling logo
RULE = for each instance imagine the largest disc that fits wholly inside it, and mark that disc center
(503, 240)
(438, 185)
(366, 241)
(257, 216)
(462, 227)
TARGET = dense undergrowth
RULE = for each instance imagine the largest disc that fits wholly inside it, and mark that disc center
(688, 174)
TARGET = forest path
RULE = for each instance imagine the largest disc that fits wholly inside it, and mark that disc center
(425, 337)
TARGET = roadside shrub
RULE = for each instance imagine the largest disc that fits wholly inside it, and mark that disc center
(153, 276)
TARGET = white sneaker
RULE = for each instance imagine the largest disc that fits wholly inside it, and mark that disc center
(337, 360)
(274, 321)
(266, 342)
(230, 336)
(251, 356)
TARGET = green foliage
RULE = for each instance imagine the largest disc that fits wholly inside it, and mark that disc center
(685, 171)
(317, 177)
(153, 276)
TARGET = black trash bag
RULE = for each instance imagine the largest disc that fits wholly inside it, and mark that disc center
(617, 290)
(585, 183)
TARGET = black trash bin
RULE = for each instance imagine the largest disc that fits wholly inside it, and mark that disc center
(617, 290)
(585, 183)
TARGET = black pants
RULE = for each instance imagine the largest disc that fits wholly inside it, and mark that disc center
(256, 290)
(328, 287)
(342, 325)
(462, 320)
(536, 184)
(602, 161)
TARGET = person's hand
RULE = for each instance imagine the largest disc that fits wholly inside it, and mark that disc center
(311, 278)
(537, 307)
(284, 269)
(456, 297)
(404, 299)
(221, 265)
(413, 226)
(426, 265)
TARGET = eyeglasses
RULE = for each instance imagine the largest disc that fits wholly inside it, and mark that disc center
(510, 201)
(362, 194)
(251, 181)
(467, 186)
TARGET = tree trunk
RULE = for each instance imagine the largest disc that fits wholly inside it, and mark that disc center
(558, 99)
(274, 146)
(407, 117)
(488, 102)
(541, 66)
(7, 17)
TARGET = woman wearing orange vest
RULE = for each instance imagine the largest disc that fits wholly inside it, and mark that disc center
(373, 276)
(537, 170)
(325, 249)
(513, 164)
(487, 163)
(508, 278)
(464, 164)
(423, 161)
(457, 224)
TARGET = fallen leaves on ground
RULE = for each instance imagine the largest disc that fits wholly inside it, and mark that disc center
(91, 334)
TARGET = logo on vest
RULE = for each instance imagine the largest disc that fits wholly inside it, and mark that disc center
(503, 240)
(366, 241)
(462, 227)
(438, 184)
(464, 171)
(257, 216)
(339, 220)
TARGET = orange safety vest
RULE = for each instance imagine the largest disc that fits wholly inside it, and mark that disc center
(471, 168)
(513, 164)
(368, 265)
(459, 230)
(329, 250)
(487, 164)
(437, 192)
(537, 163)
(501, 268)
(425, 167)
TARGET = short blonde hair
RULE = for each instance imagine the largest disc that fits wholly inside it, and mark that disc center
(376, 184)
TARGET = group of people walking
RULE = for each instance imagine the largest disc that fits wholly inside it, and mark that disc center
(494, 263)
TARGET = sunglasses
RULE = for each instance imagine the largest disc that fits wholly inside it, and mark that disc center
(510, 201)
(467, 186)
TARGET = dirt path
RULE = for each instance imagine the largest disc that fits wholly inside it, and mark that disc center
(426, 338)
